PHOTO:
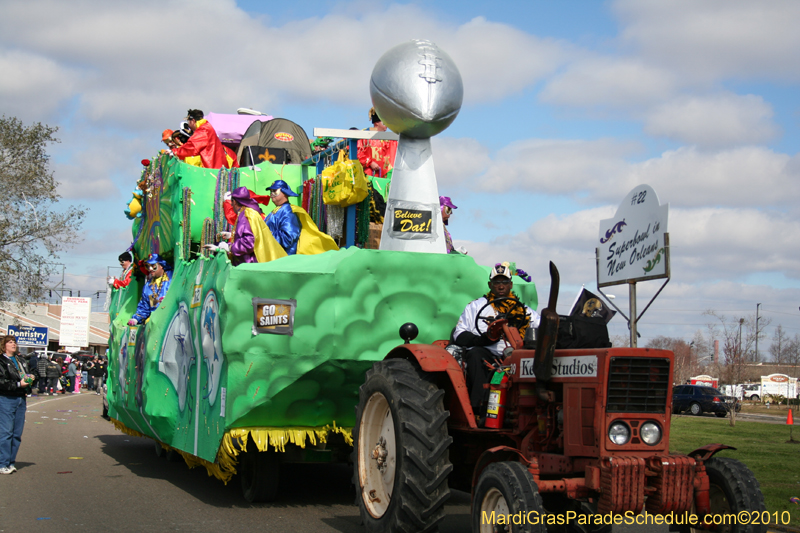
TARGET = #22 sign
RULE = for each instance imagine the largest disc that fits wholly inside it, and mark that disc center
(632, 245)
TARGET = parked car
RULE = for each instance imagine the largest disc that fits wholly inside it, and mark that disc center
(83, 355)
(39, 353)
(699, 399)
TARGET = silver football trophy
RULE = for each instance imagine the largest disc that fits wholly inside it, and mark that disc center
(417, 91)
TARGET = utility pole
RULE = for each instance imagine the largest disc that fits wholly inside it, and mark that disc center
(757, 319)
(739, 349)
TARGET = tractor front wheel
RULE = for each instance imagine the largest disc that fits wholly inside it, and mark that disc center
(733, 489)
(506, 491)
(400, 444)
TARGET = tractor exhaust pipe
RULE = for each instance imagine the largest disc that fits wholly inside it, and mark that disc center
(546, 338)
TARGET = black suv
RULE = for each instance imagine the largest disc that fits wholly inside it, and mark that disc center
(699, 399)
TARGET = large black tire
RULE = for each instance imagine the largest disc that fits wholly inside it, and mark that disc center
(733, 489)
(173, 456)
(695, 409)
(260, 474)
(507, 488)
(160, 451)
(400, 441)
(720, 415)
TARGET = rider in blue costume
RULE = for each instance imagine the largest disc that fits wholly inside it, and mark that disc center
(282, 222)
(154, 290)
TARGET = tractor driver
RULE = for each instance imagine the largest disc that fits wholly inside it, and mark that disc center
(484, 345)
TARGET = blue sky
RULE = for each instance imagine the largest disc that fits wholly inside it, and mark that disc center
(568, 106)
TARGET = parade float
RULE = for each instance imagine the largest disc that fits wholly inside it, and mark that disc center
(242, 368)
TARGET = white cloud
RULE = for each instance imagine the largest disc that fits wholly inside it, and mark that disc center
(457, 161)
(609, 81)
(715, 38)
(33, 85)
(714, 243)
(602, 171)
(558, 166)
(720, 120)
(747, 176)
(496, 60)
(138, 60)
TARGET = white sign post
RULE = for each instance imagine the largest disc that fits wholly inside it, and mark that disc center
(75, 314)
(634, 246)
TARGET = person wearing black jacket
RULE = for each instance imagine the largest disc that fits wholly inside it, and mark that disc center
(33, 363)
(100, 374)
(53, 373)
(14, 383)
(42, 369)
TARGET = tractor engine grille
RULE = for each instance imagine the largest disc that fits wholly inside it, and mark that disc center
(637, 385)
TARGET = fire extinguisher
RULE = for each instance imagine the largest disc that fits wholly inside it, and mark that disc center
(496, 409)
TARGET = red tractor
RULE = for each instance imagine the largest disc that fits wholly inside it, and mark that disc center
(584, 440)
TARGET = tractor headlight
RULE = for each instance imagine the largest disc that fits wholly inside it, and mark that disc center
(619, 433)
(650, 433)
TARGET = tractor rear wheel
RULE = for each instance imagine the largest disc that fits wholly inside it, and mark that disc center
(506, 489)
(400, 444)
(733, 489)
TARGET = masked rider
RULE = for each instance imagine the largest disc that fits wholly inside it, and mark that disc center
(159, 277)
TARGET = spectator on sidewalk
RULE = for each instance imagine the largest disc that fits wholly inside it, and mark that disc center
(14, 382)
(84, 374)
(33, 366)
(72, 371)
(90, 368)
(101, 371)
(41, 367)
(53, 373)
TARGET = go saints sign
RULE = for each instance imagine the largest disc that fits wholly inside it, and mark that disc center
(273, 316)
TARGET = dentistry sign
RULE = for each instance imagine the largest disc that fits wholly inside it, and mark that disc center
(29, 335)
(633, 246)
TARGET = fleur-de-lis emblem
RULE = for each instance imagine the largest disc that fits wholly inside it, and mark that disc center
(266, 156)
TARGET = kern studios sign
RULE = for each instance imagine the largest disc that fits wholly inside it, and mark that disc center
(34, 337)
(633, 245)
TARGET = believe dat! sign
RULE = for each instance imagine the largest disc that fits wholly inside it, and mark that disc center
(633, 244)
(29, 335)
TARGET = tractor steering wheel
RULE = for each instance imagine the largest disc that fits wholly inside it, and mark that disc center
(514, 322)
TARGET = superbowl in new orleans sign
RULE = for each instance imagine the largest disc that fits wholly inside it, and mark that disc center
(633, 246)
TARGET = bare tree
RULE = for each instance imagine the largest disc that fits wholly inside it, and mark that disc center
(620, 341)
(738, 337)
(780, 344)
(793, 353)
(34, 225)
(685, 359)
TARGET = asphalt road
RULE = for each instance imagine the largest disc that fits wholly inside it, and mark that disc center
(75, 470)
